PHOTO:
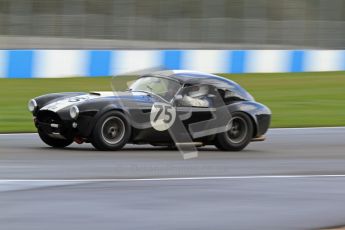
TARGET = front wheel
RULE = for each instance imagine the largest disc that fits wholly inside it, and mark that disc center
(238, 136)
(53, 142)
(111, 132)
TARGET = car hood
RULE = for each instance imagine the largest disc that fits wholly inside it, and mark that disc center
(62, 103)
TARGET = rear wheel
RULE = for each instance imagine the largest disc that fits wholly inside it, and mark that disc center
(53, 142)
(239, 135)
(111, 132)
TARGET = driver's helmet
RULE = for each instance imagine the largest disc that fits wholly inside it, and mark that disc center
(198, 91)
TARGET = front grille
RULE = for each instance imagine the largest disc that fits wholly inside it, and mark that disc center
(47, 116)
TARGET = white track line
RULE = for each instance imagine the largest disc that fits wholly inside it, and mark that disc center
(24, 184)
(172, 178)
(16, 134)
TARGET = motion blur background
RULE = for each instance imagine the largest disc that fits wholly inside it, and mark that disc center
(229, 24)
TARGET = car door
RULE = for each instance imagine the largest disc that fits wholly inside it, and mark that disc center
(194, 113)
(201, 121)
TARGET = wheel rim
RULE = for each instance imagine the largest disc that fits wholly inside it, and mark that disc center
(238, 130)
(113, 130)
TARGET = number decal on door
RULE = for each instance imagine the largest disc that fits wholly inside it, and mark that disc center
(162, 116)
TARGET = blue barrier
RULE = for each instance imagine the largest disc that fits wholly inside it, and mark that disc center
(93, 63)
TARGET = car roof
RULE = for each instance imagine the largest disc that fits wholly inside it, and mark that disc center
(195, 77)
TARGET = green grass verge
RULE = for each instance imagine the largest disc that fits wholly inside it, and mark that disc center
(296, 99)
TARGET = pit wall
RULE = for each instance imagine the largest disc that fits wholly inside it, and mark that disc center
(93, 63)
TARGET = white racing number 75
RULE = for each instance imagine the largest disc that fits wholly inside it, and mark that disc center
(162, 116)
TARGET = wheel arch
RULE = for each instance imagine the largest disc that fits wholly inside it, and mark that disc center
(252, 118)
(105, 110)
(95, 136)
(252, 109)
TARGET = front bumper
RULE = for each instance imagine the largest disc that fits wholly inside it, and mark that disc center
(52, 124)
(58, 130)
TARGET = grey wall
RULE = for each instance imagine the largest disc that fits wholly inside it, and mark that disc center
(304, 23)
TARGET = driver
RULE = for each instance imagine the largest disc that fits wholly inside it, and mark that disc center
(197, 97)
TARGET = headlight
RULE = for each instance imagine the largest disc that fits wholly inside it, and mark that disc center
(32, 105)
(74, 112)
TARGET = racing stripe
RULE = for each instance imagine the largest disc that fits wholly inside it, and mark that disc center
(61, 104)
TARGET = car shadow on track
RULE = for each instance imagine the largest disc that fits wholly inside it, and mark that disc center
(146, 149)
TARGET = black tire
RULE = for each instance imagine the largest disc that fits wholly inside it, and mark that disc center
(53, 142)
(111, 132)
(239, 135)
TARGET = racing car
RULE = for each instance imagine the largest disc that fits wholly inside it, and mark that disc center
(163, 108)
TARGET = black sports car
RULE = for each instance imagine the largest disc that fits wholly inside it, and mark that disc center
(164, 108)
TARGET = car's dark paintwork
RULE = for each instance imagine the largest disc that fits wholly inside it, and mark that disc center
(137, 108)
(204, 78)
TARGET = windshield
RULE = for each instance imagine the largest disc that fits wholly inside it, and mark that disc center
(160, 86)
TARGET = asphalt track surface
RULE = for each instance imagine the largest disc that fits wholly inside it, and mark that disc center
(294, 180)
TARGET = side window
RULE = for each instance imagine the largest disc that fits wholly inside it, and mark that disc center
(230, 96)
(197, 96)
